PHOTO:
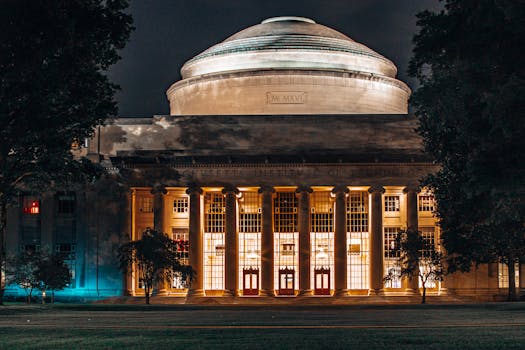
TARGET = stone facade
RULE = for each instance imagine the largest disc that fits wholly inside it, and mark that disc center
(286, 168)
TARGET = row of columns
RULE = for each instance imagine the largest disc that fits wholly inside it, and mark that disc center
(267, 239)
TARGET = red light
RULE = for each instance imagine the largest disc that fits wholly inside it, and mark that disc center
(33, 209)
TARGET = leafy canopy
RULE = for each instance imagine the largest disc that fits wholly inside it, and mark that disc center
(156, 258)
(469, 60)
(54, 90)
(418, 258)
(53, 273)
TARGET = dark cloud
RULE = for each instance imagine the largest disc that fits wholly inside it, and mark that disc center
(169, 32)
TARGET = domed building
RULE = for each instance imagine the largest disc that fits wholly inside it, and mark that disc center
(286, 167)
(288, 65)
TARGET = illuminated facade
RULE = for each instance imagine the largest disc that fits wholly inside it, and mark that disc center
(286, 168)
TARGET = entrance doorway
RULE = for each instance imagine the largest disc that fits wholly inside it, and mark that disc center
(286, 281)
(322, 281)
(250, 277)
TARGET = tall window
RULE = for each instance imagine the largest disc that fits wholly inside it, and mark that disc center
(428, 234)
(285, 212)
(357, 239)
(503, 275)
(286, 236)
(214, 216)
(392, 204)
(180, 205)
(145, 204)
(249, 232)
(68, 253)
(391, 255)
(322, 238)
(426, 203)
(30, 231)
(181, 236)
(31, 205)
(66, 203)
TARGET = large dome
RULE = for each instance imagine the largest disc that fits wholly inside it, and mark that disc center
(288, 65)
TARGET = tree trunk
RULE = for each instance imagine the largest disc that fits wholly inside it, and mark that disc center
(512, 281)
(146, 291)
(52, 297)
(3, 227)
(424, 295)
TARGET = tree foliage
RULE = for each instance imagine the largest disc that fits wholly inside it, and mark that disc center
(156, 259)
(21, 270)
(53, 274)
(38, 270)
(469, 60)
(418, 259)
(54, 55)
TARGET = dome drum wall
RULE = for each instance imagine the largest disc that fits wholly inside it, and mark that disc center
(289, 92)
(288, 65)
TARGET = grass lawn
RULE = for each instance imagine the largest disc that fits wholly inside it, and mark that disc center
(478, 326)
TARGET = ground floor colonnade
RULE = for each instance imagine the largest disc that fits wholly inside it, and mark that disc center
(284, 240)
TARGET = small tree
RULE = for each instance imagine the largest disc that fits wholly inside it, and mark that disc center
(156, 258)
(53, 274)
(21, 271)
(418, 258)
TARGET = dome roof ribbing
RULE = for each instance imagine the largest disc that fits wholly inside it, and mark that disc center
(288, 43)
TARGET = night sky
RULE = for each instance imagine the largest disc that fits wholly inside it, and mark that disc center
(169, 32)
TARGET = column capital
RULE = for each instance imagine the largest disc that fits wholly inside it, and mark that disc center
(194, 190)
(303, 189)
(158, 189)
(230, 189)
(376, 189)
(269, 189)
(340, 189)
(412, 189)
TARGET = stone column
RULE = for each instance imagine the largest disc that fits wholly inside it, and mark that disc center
(340, 253)
(195, 238)
(127, 230)
(412, 283)
(267, 287)
(158, 208)
(158, 225)
(521, 287)
(376, 240)
(231, 261)
(303, 226)
(493, 283)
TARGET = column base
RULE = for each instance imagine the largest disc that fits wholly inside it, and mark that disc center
(340, 293)
(377, 292)
(160, 292)
(230, 293)
(266, 293)
(412, 291)
(305, 293)
(195, 293)
(443, 291)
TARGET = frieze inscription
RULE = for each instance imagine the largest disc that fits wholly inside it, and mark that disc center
(286, 97)
(304, 173)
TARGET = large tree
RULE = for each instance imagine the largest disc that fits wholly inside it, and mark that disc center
(156, 258)
(54, 55)
(469, 61)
